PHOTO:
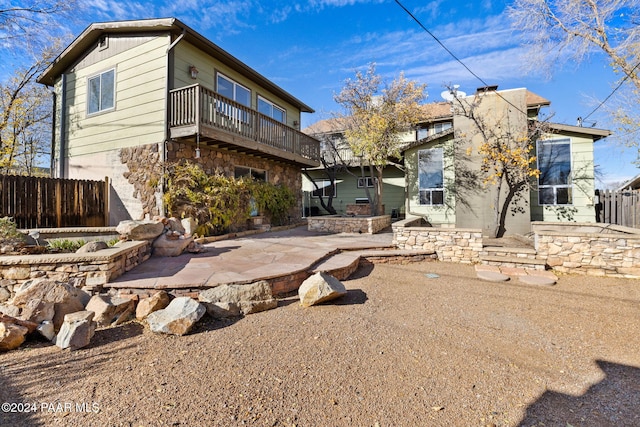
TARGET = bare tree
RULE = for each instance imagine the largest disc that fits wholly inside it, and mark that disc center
(25, 114)
(31, 36)
(572, 30)
(24, 27)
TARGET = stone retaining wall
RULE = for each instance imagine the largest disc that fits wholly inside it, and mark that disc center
(92, 270)
(450, 244)
(338, 224)
(596, 254)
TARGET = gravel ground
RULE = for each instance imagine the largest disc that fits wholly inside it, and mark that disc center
(401, 349)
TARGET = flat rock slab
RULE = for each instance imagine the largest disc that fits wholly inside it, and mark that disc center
(492, 276)
(537, 280)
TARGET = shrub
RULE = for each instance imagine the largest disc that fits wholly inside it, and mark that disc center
(9, 234)
(221, 204)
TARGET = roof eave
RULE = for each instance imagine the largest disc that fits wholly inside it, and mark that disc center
(93, 32)
(596, 133)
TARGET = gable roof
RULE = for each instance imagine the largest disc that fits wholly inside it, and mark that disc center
(93, 32)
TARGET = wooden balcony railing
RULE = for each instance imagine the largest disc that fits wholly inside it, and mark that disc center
(199, 107)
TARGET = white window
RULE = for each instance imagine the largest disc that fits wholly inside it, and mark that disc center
(270, 109)
(431, 176)
(101, 92)
(233, 90)
(325, 189)
(367, 180)
(554, 163)
(433, 129)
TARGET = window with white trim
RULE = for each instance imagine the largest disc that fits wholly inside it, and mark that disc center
(554, 163)
(325, 189)
(367, 180)
(433, 129)
(270, 109)
(233, 90)
(101, 92)
(431, 176)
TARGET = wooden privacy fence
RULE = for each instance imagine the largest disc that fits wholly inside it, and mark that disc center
(35, 202)
(618, 207)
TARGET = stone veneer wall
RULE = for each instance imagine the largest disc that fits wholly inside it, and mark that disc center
(91, 270)
(596, 254)
(462, 245)
(145, 175)
(223, 162)
(339, 224)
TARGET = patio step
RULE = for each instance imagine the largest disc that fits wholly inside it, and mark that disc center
(344, 264)
(514, 262)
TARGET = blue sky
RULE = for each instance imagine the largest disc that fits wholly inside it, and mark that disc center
(310, 48)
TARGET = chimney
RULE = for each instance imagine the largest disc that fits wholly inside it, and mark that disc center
(485, 89)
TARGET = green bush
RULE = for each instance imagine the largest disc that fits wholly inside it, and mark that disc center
(66, 245)
(9, 234)
(221, 204)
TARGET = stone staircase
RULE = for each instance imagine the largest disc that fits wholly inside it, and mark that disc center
(518, 257)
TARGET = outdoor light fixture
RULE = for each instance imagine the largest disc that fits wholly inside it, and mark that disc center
(197, 155)
(193, 71)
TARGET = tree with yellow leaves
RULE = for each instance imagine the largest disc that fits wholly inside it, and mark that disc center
(376, 114)
(505, 145)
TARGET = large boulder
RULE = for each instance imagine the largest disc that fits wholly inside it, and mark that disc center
(177, 318)
(319, 288)
(36, 297)
(155, 302)
(170, 244)
(11, 335)
(76, 331)
(92, 247)
(233, 300)
(140, 230)
(31, 326)
(110, 310)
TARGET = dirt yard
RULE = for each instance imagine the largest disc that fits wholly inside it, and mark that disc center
(401, 349)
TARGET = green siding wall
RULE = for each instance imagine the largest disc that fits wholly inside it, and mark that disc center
(444, 214)
(393, 190)
(186, 55)
(583, 191)
(139, 114)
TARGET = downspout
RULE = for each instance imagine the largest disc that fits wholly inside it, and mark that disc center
(53, 132)
(169, 79)
(63, 128)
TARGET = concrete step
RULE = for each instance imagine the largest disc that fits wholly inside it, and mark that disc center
(513, 261)
(492, 250)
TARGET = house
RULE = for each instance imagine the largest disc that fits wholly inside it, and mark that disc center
(444, 180)
(352, 181)
(131, 97)
(440, 178)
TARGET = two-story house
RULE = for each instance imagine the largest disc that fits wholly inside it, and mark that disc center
(440, 178)
(445, 183)
(131, 97)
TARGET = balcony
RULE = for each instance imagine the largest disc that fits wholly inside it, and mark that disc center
(219, 122)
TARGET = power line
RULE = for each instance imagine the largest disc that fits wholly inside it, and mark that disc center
(624, 79)
(455, 57)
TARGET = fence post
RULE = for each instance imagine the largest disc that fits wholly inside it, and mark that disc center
(107, 193)
(58, 203)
